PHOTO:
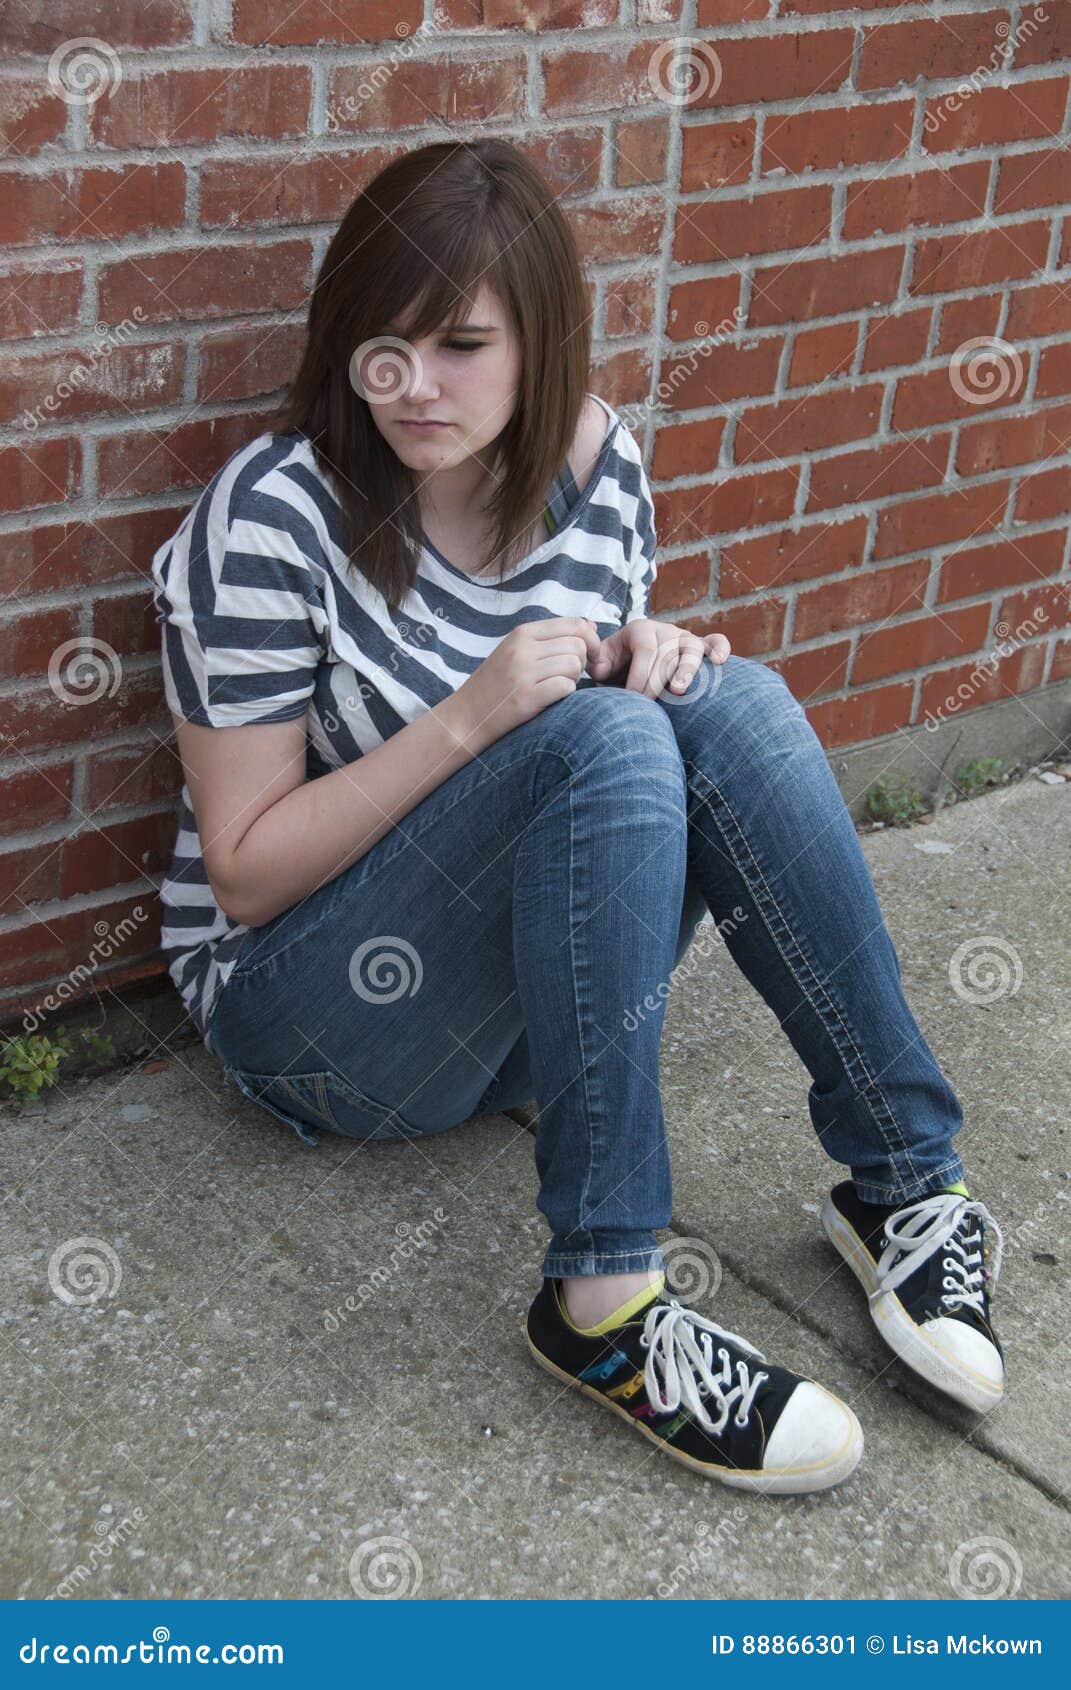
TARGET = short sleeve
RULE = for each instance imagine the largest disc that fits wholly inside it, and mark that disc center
(642, 562)
(241, 610)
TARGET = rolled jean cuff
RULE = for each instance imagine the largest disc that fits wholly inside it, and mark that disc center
(909, 1187)
(602, 1252)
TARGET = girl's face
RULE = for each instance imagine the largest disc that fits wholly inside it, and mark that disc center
(466, 382)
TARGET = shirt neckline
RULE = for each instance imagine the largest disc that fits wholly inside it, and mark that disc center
(493, 579)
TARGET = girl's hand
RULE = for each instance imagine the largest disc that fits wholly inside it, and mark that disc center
(657, 655)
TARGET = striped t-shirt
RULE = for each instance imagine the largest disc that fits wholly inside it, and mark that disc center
(265, 620)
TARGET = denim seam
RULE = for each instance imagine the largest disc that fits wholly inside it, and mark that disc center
(832, 1019)
(937, 1179)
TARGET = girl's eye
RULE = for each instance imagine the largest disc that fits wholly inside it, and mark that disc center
(464, 345)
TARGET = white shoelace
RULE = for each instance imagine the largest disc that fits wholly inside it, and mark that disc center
(918, 1231)
(670, 1332)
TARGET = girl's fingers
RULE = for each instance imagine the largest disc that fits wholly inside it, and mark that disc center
(717, 647)
(691, 655)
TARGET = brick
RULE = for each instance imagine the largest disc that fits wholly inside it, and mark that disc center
(710, 13)
(774, 560)
(987, 382)
(920, 641)
(986, 117)
(1041, 608)
(698, 308)
(952, 263)
(792, 65)
(825, 287)
(41, 951)
(1006, 441)
(127, 622)
(903, 52)
(308, 188)
(178, 107)
(36, 301)
(921, 198)
(923, 524)
(305, 22)
(897, 337)
(984, 569)
(46, 387)
(1043, 495)
(870, 595)
(31, 114)
(570, 159)
(91, 205)
(1054, 373)
(878, 472)
(36, 797)
(749, 628)
(46, 472)
(122, 23)
(837, 137)
(187, 455)
(967, 319)
(615, 230)
(640, 152)
(132, 774)
(862, 715)
(1037, 311)
(950, 691)
(820, 354)
(466, 88)
(687, 448)
(773, 221)
(799, 425)
(33, 719)
(629, 305)
(717, 155)
(606, 78)
(57, 556)
(1032, 179)
(687, 514)
(245, 363)
(1045, 34)
(1061, 661)
(812, 673)
(721, 373)
(681, 581)
(28, 641)
(192, 283)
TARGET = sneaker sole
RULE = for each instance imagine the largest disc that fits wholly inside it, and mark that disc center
(778, 1481)
(896, 1327)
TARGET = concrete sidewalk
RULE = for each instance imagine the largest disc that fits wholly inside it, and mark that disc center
(210, 1427)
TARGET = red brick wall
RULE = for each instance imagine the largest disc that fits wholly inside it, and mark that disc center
(830, 269)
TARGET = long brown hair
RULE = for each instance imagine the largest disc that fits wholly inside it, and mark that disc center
(437, 222)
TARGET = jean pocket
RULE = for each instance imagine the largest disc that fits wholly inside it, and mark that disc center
(321, 1099)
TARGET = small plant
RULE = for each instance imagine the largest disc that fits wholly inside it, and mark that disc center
(893, 805)
(28, 1064)
(99, 1049)
(976, 775)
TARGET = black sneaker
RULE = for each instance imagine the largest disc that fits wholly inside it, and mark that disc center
(927, 1271)
(759, 1429)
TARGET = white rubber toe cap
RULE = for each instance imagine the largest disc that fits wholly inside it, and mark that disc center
(968, 1351)
(817, 1439)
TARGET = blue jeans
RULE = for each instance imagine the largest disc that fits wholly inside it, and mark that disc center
(514, 937)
